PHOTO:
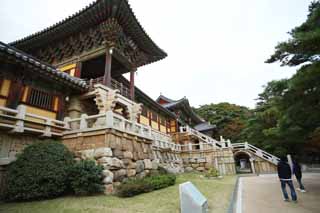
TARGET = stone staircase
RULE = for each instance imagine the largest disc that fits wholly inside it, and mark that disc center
(256, 151)
(227, 144)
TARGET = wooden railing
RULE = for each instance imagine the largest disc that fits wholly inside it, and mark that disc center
(19, 121)
(108, 120)
(125, 91)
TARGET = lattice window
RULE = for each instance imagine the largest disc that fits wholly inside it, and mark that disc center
(40, 99)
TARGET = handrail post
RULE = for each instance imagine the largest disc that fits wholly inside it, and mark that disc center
(20, 116)
(109, 119)
(47, 129)
(83, 121)
(66, 121)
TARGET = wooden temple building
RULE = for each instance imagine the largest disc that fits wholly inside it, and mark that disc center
(66, 82)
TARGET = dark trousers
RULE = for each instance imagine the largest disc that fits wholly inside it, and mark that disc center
(300, 183)
(284, 190)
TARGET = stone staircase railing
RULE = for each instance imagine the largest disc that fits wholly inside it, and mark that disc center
(162, 140)
(204, 138)
(258, 152)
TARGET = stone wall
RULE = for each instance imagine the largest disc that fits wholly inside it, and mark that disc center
(202, 161)
(121, 155)
(169, 160)
(10, 144)
(262, 166)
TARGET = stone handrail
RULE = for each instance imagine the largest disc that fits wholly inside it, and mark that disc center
(162, 140)
(203, 138)
(259, 152)
(108, 120)
(18, 121)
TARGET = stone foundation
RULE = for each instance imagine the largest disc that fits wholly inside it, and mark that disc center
(202, 161)
(121, 155)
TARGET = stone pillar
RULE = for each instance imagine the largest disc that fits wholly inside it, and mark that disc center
(252, 165)
(74, 110)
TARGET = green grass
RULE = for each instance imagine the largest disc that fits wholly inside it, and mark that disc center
(218, 193)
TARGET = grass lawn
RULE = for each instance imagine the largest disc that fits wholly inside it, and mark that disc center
(218, 193)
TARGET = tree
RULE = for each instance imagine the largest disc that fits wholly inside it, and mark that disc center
(229, 118)
(303, 46)
(299, 106)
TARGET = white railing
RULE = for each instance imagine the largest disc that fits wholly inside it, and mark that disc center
(162, 140)
(204, 138)
(108, 120)
(259, 152)
(19, 121)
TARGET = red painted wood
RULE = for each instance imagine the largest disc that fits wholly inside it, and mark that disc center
(107, 71)
(15, 94)
(132, 72)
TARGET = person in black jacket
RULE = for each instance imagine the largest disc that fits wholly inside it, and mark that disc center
(284, 173)
(297, 172)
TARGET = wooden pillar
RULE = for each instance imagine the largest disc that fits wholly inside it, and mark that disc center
(15, 94)
(107, 70)
(78, 69)
(132, 72)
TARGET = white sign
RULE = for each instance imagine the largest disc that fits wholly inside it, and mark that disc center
(191, 200)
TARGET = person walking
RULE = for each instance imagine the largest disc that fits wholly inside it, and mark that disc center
(285, 176)
(297, 172)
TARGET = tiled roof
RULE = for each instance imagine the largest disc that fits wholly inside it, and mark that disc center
(205, 126)
(92, 15)
(43, 68)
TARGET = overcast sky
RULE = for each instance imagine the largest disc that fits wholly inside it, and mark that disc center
(216, 49)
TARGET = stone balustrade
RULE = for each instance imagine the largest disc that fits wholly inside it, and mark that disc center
(108, 120)
(20, 121)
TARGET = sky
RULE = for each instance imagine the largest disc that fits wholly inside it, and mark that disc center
(216, 49)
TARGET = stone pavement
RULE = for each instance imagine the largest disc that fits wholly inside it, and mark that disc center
(262, 194)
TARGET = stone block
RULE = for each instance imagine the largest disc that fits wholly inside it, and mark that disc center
(155, 164)
(108, 176)
(127, 155)
(195, 165)
(200, 169)
(111, 163)
(118, 153)
(119, 174)
(131, 172)
(103, 152)
(147, 164)
(139, 166)
(201, 160)
(189, 169)
(108, 189)
(87, 154)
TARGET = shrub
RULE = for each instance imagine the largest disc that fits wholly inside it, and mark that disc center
(138, 186)
(86, 178)
(161, 181)
(133, 187)
(212, 172)
(40, 171)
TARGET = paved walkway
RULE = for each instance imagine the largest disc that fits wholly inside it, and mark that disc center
(262, 194)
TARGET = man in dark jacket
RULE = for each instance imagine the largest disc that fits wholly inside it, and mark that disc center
(297, 172)
(284, 173)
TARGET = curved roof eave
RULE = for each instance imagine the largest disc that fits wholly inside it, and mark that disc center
(94, 14)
